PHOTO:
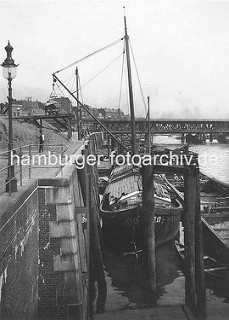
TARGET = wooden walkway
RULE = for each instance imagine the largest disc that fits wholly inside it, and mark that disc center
(159, 313)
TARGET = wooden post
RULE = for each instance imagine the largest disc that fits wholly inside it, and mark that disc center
(94, 170)
(148, 226)
(189, 236)
(108, 145)
(97, 265)
(99, 275)
(70, 127)
(93, 144)
(112, 144)
(41, 138)
(85, 185)
(211, 137)
(200, 281)
(78, 107)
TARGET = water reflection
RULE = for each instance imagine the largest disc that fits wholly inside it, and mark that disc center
(167, 264)
(127, 282)
(127, 278)
(128, 287)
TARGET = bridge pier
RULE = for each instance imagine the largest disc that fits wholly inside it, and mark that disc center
(202, 137)
(223, 138)
(182, 137)
(211, 137)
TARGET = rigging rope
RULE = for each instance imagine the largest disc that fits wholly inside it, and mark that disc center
(100, 72)
(81, 93)
(70, 80)
(60, 89)
(89, 55)
(139, 82)
(144, 126)
(69, 77)
(127, 94)
(53, 93)
(73, 83)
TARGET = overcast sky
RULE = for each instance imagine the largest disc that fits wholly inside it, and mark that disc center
(181, 49)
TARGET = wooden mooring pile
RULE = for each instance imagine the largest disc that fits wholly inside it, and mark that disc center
(195, 298)
(193, 241)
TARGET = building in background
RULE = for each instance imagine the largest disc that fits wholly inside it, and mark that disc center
(103, 113)
(64, 104)
(16, 110)
(29, 107)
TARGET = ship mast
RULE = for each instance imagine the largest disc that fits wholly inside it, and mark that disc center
(133, 135)
(78, 107)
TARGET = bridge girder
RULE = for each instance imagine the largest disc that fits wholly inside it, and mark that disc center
(162, 126)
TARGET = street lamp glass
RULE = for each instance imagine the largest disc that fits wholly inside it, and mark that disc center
(9, 72)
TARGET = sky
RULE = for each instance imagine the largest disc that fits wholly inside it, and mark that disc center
(180, 50)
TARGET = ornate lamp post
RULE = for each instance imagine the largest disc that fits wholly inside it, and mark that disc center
(9, 72)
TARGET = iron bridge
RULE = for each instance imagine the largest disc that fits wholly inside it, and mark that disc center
(162, 126)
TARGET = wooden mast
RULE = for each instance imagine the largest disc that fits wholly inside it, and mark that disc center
(78, 113)
(133, 135)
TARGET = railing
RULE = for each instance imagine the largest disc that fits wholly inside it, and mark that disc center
(25, 158)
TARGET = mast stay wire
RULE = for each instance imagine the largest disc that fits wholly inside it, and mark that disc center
(89, 55)
(98, 51)
(100, 72)
(60, 89)
(139, 82)
(73, 83)
(69, 78)
(127, 95)
(81, 93)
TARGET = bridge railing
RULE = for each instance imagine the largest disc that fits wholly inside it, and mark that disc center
(18, 164)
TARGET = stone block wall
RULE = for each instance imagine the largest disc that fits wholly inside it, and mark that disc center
(44, 249)
(19, 257)
(61, 272)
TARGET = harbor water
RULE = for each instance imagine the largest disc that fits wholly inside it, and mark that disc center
(126, 278)
(214, 156)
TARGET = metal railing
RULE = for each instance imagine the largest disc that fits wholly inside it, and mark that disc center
(26, 158)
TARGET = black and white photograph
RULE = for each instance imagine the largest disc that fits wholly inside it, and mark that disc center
(114, 160)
